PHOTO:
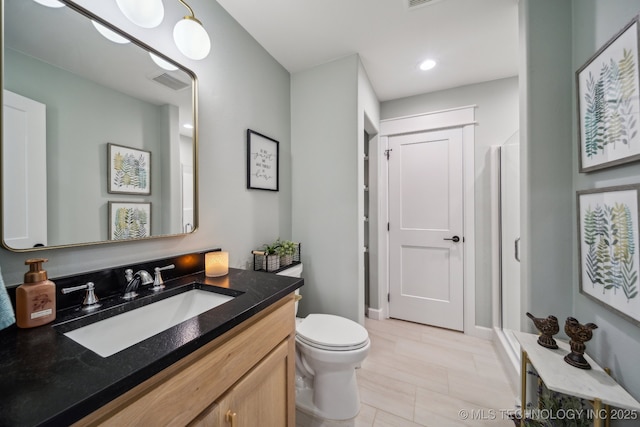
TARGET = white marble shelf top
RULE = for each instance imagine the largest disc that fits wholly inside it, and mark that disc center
(559, 376)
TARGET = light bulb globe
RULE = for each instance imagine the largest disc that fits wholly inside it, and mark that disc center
(162, 63)
(50, 3)
(109, 34)
(191, 39)
(143, 13)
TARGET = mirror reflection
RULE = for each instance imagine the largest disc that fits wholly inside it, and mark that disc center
(94, 145)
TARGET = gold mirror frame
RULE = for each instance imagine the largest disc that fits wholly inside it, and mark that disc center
(194, 95)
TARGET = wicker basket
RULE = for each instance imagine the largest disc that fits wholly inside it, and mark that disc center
(270, 263)
(274, 263)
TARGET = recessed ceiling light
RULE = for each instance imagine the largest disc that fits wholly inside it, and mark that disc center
(427, 64)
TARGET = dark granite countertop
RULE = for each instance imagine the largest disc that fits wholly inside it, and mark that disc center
(49, 379)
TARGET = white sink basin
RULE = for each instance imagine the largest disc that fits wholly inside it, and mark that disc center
(116, 333)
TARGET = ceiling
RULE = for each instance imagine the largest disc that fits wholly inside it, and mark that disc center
(34, 30)
(472, 40)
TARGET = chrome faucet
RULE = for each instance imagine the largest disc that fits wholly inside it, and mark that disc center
(133, 281)
(90, 301)
(158, 282)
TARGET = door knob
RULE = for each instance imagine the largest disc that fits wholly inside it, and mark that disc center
(455, 239)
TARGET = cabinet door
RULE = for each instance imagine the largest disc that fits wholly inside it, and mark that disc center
(260, 398)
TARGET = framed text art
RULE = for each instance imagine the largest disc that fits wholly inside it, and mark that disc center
(608, 247)
(129, 220)
(129, 170)
(262, 162)
(608, 93)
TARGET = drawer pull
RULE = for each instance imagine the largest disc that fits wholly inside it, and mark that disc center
(231, 418)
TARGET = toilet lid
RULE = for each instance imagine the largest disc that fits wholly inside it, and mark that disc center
(331, 332)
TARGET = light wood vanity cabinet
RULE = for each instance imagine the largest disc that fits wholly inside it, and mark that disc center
(242, 378)
(257, 399)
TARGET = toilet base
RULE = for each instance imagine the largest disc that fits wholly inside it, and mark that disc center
(338, 401)
(304, 404)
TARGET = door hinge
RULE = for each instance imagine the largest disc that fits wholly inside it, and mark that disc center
(387, 153)
(388, 297)
(388, 227)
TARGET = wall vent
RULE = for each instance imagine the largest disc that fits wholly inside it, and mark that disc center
(412, 4)
(171, 82)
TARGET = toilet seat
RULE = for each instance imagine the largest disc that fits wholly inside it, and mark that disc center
(332, 333)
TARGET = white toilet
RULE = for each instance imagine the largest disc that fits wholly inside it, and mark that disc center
(328, 350)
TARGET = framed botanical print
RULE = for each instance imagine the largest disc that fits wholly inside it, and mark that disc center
(608, 247)
(608, 93)
(129, 170)
(129, 220)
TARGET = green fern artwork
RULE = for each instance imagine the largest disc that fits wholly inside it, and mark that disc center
(610, 118)
(130, 171)
(130, 223)
(609, 103)
(610, 240)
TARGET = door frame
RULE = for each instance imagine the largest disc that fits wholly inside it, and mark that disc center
(462, 117)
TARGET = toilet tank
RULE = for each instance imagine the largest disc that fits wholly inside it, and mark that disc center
(294, 271)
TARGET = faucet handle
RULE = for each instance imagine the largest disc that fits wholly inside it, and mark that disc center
(158, 283)
(90, 301)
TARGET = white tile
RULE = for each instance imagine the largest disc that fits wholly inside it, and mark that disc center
(417, 375)
(366, 416)
(386, 393)
(385, 419)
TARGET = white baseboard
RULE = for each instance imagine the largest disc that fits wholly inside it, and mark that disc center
(510, 359)
(480, 332)
(375, 313)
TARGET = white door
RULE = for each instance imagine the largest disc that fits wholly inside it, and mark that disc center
(426, 228)
(24, 166)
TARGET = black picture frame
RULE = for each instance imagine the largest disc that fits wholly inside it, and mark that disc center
(263, 162)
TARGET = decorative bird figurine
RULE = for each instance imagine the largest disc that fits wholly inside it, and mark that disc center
(547, 328)
(579, 334)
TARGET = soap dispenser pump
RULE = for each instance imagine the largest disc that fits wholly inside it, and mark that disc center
(36, 298)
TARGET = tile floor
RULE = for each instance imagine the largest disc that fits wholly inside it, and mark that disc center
(417, 375)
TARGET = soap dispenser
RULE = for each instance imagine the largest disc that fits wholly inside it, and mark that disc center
(36, 298)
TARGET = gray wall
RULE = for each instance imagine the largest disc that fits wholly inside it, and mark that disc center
(616, 342)
(77, 146)
(497, 116)
(328, 105)
(546, 147)
(550, 171)
(241, 86)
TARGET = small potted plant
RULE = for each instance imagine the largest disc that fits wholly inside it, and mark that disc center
(286, 249)
(271, 259)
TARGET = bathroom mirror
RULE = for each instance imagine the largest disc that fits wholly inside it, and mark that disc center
(94, 145)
